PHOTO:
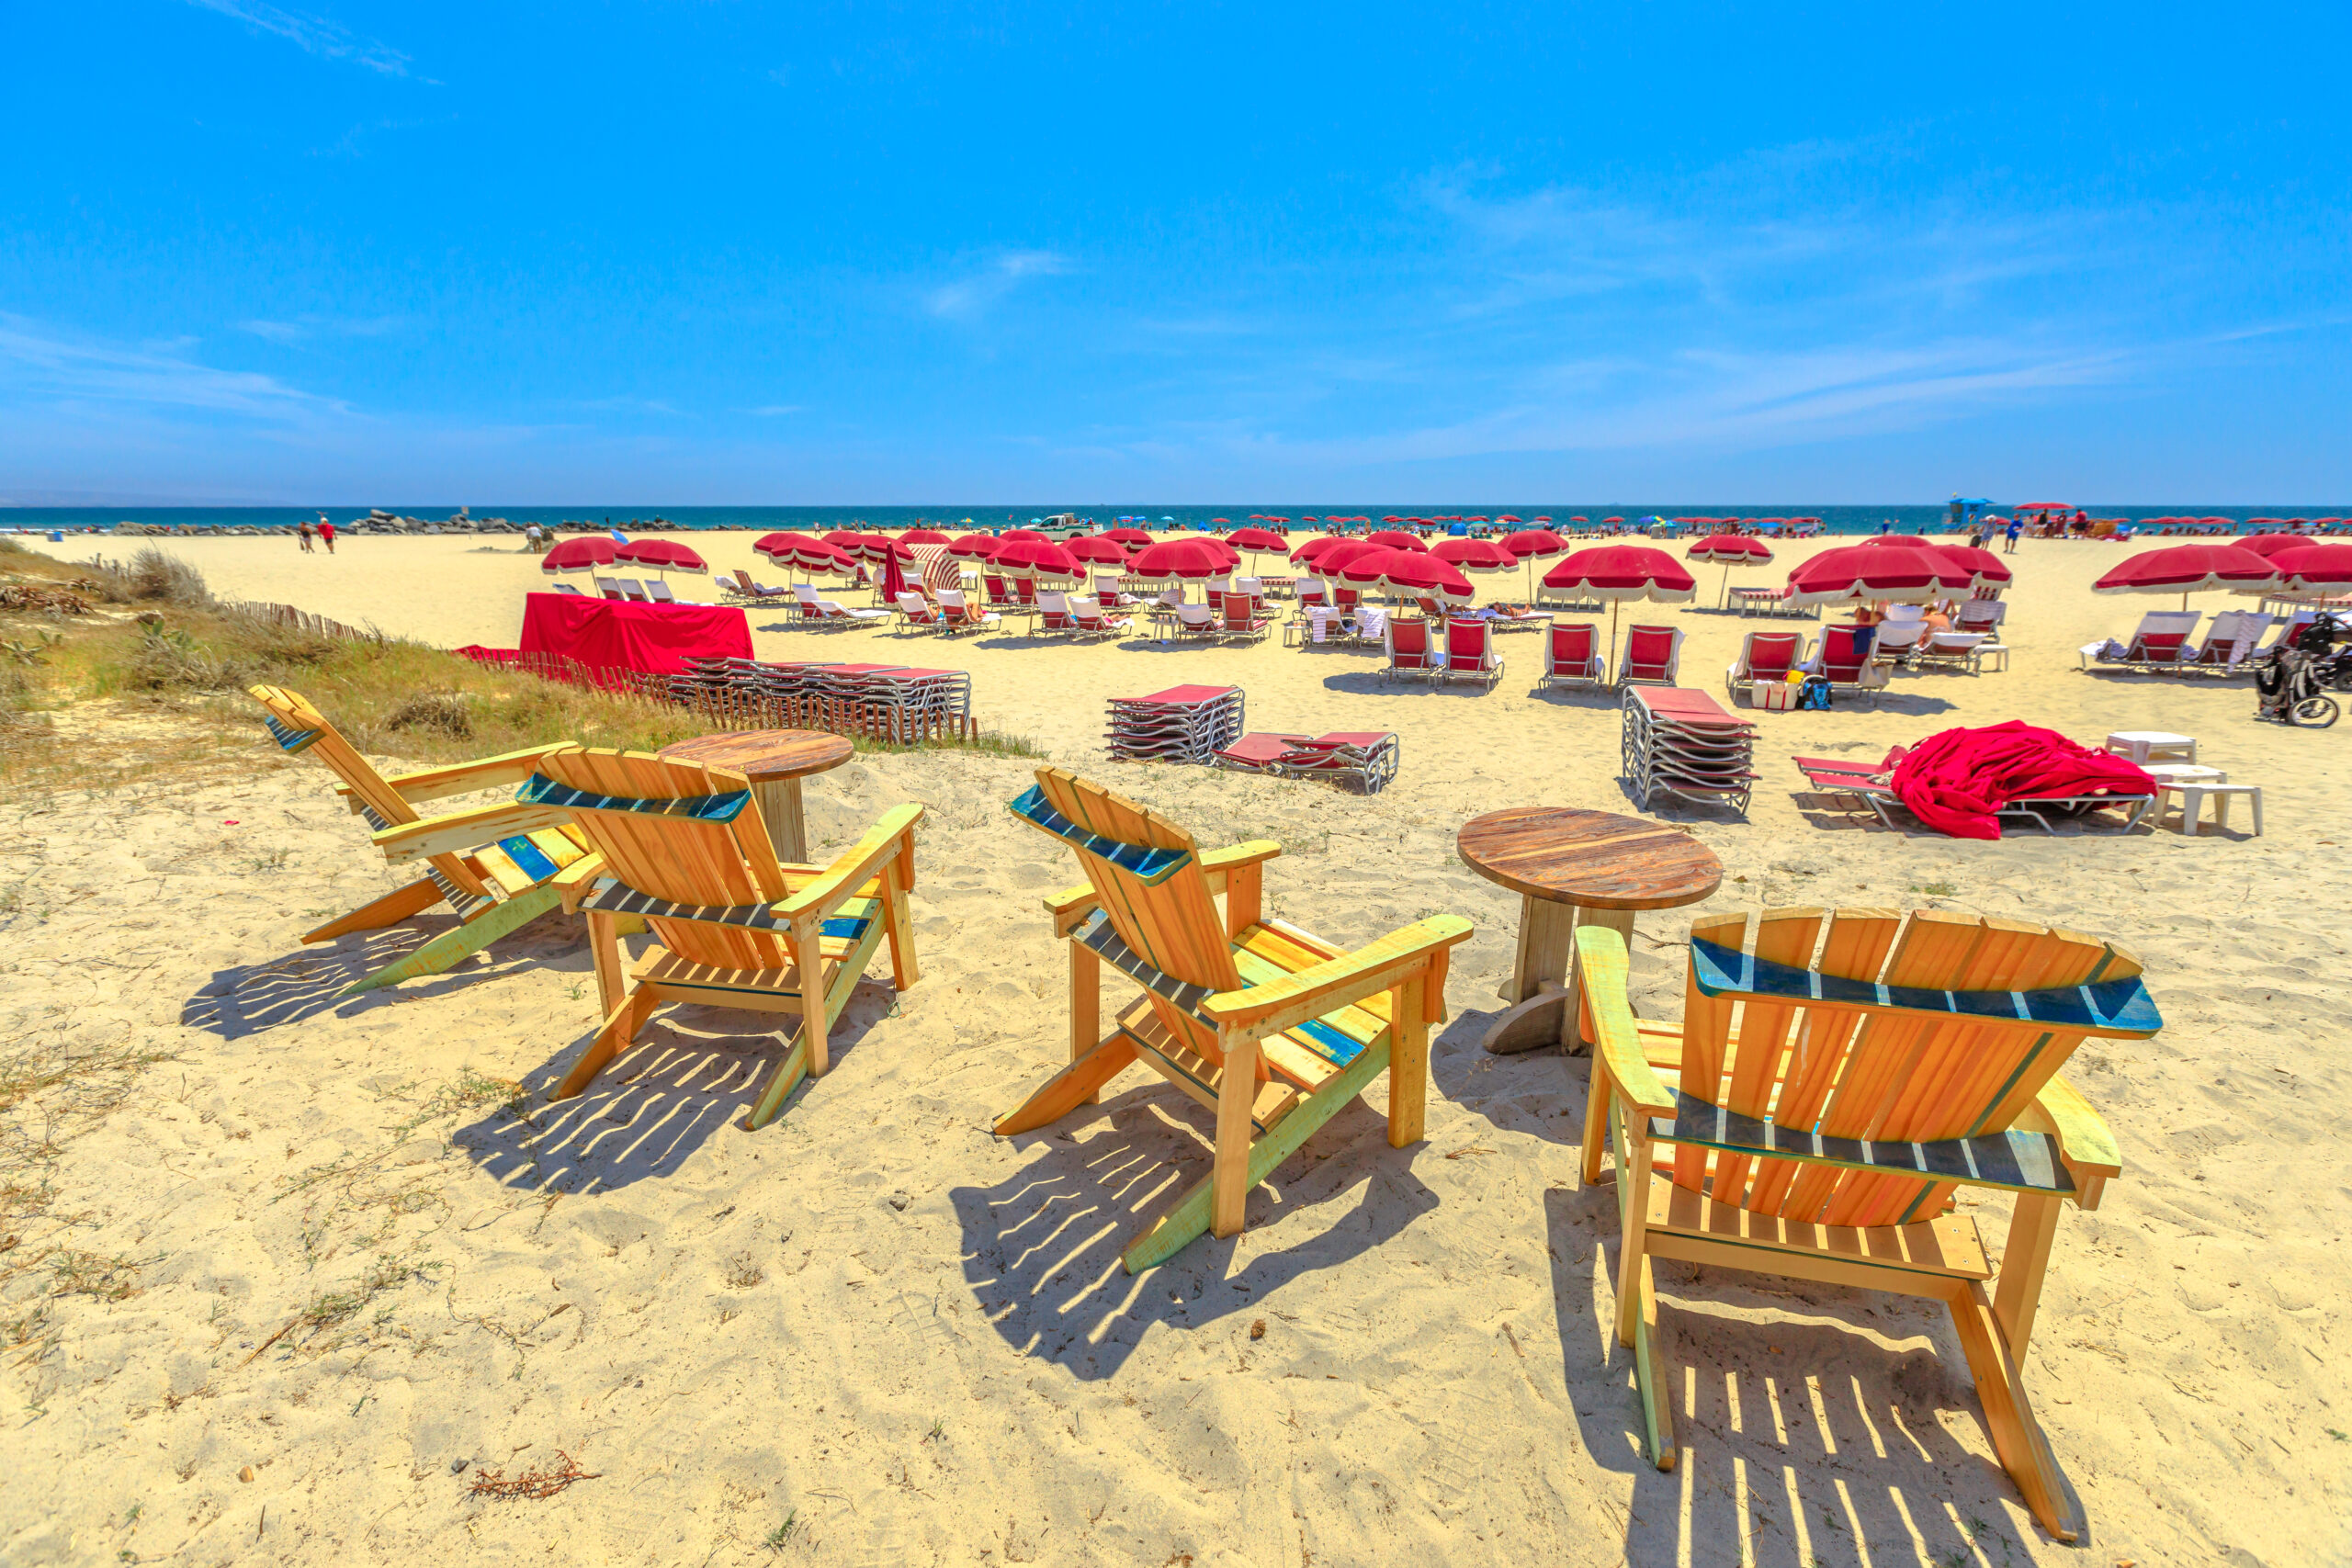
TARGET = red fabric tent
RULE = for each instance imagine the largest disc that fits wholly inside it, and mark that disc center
(656, 640)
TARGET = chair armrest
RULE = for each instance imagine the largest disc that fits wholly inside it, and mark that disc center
(455, 833)
(575, 881)
(1601, 983)
(841, 879)
(458, 778)
(1070, 906)
(1336, 982)
(2084, 1145)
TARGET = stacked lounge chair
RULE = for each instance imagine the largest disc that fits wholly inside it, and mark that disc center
(1367, 757)
(1182, 724)
(1684, 743)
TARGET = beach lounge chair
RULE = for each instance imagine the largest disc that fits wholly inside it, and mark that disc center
(1240, 620)
(1873, 785)
(1572, 655)
(1950, 650)
(1763, 656)
(1980, 615)
(1025, 595)
(686, 851)
(1410, 657)
(2160, 643)
(1053, 610)
(1108, 591)
(827, 611)
(1312, 593)
(1000, 597)
(1843, 658)
(1270, 1027)
(1194, 620)
(1812, 1117)
(1369, 757)
(1651, 656)
(1899, 636)
(632, 591)
(915, 614)
(1470, 654)
(609, 588)
(565, 588)
(1092, 620)
(491, 864)
(738, 585)
(2231, 640)
(958, 613)
(659, 593)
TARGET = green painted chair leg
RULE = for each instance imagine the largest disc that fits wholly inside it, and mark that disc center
(1189, 1217)
(445, 951)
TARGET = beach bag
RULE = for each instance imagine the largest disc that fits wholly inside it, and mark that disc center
(1813, 694)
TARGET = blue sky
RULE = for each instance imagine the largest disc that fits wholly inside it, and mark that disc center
(713, 251)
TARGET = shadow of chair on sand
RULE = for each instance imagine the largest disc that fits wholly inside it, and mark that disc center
(1821, 1428)
(1042, 1247)
(251, 999)
(692, 1071)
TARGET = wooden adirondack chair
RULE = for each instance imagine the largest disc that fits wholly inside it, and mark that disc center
(495, 865)
(684, 849)
(1270, 1027)
(1820, 1133)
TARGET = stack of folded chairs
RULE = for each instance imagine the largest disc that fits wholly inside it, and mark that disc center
(1684, 743)
(911, 705)
(1367, 757)
(1182, 724)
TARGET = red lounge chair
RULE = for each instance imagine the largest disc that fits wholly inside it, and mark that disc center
(1056, 612)
(1369, 757)
(1024, 591)
(1844, 660)
(1874, 787)
(1763, 656)
(1310, 593)
(1240, 618)
(958, 613)
(1409, 654)
(1572, 655)
(999, 597)
(916, 615)
(1470, 654)
(1651, 656)
(1091, 618)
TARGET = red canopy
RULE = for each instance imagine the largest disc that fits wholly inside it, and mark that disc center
(1986, 569)
(1617, 572)
(656, 640)
(2189, 569)
(1313, 551)
(584, 554)
(1366, 563)
(662, 555)
(1028, 536)
(1876, 573)
(923, 537)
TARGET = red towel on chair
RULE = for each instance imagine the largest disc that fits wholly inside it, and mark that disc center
(1954, 781)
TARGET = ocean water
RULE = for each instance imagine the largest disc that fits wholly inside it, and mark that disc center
(820, 519)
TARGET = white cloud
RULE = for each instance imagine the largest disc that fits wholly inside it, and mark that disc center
(303, 328)
(315, 35)
(968, 297)
(42, 364)
(773, 410)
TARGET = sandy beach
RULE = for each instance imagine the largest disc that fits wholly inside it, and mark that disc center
(873, 1334)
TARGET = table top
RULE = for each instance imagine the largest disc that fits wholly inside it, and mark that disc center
(1593, 859)
(2152, 736)
(765, 756)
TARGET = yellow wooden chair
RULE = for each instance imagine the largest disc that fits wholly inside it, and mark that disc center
(492, 866)
(1270, 1027)
(682, 849)
(1836, 1075)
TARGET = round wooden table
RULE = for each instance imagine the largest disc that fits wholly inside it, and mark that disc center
(775, 760)
(1573, 868)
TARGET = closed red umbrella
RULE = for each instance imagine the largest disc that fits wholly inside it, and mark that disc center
(1096, 550)
(1395, 538)
(2189, 568)
(2321, 570)
(1037, 559)
(1861, 574)
(664, 556)
(974, 546)
(583, 554)
(1133, 538)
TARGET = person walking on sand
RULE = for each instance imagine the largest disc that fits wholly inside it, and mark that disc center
(2009, 540)
(305, 531)
(326, 534)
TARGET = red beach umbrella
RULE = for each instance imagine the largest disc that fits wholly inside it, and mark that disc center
(1096, 550)
(583, 554)
(664, 556)
(1913, 540)
(1622, 572)
(876, 549)
(1037, 559)
(1474, 555)
(1367, 563)
(2269, 545)
(1417, 574)
(1255, 539)
(1532, 545)
(2189, 569)
(1986, 570)
(1872, 573)
(1729, 547)
(974, 546)
(798, 552)
(1334, 561)
(2322, 571)
(843, 539)
(1025, 536)
(1316, 549)
(1132, 538)
(1395, 538)
(923, 537)
(1193, 560)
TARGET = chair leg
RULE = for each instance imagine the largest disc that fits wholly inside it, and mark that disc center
(620, 1029)
(445, 951)
(1650, 1376)
(779, 1087)
(604, 949)
(389, 910)
(808, 954)
(2017, 1439)
(1229, 1177)
(1074, 1086)
(1408, 1062)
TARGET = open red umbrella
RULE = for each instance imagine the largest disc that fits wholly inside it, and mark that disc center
(1395, 538)
(1196, 560)
(843, 539)
(923, 537)
(2189, 569)
(1622, 572)
(974, 546)
(799, 553)
(1333, 561)
(1874, 574)
(1729, 547)
(875, 549)
(1474, 555)
(1255, 539)
(1096, 550)
(1037, 559)
(1985, 569)
(1420, 574)
(583, 554)
(2268, 544)
(2318, 570)
(1025, 536)
(1133, 538)
(1532, 545)
(1913, 540)
(1314, 550)
(664, 556)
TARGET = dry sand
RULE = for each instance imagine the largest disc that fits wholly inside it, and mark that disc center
(911, 1343)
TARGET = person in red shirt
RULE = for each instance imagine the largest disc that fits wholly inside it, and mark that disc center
(326, 534)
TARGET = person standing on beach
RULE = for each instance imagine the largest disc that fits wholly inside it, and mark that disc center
(531, 539)
(326, 534)
(2009, 544)
(305, 531)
